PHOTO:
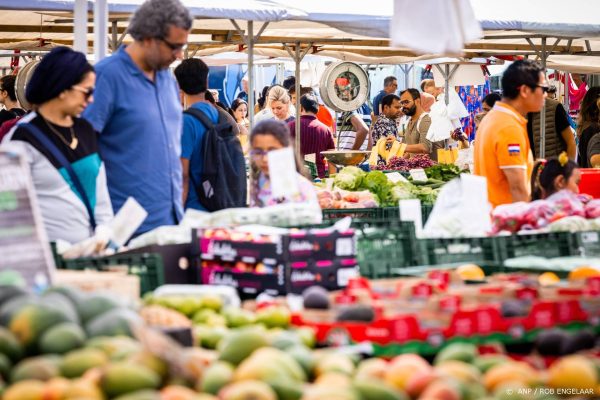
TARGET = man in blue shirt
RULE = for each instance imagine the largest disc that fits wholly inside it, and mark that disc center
(192, 76)
(137, 111)
(390, 85)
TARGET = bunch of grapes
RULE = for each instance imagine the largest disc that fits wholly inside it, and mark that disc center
(406, 164)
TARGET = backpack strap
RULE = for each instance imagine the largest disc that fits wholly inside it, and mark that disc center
(62, 160)
(208, 124)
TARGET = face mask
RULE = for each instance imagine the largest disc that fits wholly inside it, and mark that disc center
(410, 111)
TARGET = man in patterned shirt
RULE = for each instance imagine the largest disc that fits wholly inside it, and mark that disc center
(386, 124)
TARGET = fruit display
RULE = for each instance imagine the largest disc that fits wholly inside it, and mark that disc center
(406, 164)
(384, 150)
(548, 214)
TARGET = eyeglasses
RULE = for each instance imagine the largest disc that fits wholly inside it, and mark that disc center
(544, 88)
(405, 102)
(258, 153)
(87, 92)
(175, 47)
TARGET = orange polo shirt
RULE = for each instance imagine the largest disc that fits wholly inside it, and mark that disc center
(501, 143)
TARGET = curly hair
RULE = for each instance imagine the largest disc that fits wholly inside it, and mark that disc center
(153, 19)
(589, 112)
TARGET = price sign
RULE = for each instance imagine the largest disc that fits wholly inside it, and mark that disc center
(396, 177)
(24, 246)
(418, 175)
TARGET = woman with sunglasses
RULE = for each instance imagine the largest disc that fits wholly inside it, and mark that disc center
(267, 136)
(61, 148)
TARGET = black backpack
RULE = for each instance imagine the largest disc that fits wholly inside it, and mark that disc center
(223, 181)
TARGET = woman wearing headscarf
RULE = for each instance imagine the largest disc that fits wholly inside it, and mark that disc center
(61, 148)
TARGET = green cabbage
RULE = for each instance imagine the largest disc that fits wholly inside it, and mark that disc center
(349, 178)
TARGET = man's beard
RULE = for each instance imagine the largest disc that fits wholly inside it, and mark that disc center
(410, 111)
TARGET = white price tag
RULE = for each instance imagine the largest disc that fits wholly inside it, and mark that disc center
(344, 247)
(345, 274)
(410, 210)
(396, 177)
(418, 175)
(127, 220)
(282, 173)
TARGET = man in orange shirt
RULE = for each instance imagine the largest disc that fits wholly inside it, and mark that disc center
(502, 150)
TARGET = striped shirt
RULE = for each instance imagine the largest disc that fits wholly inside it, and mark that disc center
(315, 137)
(346, 132)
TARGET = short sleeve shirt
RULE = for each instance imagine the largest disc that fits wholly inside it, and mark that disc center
(384, 127)
(377, 101)
(593, 148)
(501, 143)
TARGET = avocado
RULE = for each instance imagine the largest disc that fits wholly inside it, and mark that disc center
(582, 340)
(316, 297)
(551, 342)
(358, 313)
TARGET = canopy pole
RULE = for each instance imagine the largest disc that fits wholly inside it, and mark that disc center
(447, 84)
(250, 43)
(566, 90)
(543, 57)
(100, 29)
(297, 55)
(115, 37)
(80, 26)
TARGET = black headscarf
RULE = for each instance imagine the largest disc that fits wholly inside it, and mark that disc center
(58, 71)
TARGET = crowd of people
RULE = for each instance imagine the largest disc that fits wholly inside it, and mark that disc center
(129, 127)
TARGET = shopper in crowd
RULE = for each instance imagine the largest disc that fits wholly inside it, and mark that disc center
(303, 91)
(267, 136)
(279, 103)
(352, 131)
(387, 122)
(486, 105)
(192, 76)
(8, 99)
(315, 136)
(502, 152)
(138, 113)
(289, 82)
(262, 101)
(418, 125)
(559, 134)
(390, 86)
(554, 174)
(428, 86)
(427, 101)
(61, 149)
(239, 109)
(588, 129)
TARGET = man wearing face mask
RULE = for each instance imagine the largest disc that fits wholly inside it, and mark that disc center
(415, 134)
(138, 113)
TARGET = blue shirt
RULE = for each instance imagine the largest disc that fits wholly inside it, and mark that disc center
(192, 149)
(140, 137)
(377, 101)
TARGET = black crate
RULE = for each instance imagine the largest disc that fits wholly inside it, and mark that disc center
(586, 244)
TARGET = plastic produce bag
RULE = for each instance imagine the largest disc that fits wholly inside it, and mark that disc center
(592, 209)
(461, 210)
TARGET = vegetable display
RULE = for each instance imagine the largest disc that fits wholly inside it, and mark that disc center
(406, 164)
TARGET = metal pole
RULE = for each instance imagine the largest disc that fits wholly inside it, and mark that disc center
(115, 37)
(297, 59)
(447, 83)
(250, 36)
(544, 56)
(566, 88)
(100, 29)
(80, 12)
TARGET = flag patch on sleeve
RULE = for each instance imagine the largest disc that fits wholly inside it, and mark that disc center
(514, 149)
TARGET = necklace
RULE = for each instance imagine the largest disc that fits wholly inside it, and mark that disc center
(74, 140)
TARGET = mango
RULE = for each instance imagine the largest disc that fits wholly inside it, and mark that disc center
(9, 345)
(274, 317)
(240, 344)
(94, 305)
(459, 370)
(83, 389)
(403, 367)
(465, 352)
(143, 395)
(77, 362)
(269, 363)
(116, 348)
(37, 368)
(56, 388)
(150, 361)
(122, 378)
(215, 377)
(487, 361)
(375, 389)
(247, 390)
(334, 379)
(335, 363)
(25, 390)
(304, 357)
(5, 367)
(509, 372)
(318, 392)
(372, 368)
(31, 321)
(442, 390)
(62, 338)
(238, 317)
(576, 372)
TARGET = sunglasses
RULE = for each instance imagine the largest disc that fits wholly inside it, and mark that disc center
(544, 88)
(87, 92)
(175, 47)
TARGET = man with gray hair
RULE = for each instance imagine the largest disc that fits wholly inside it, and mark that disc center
(138, 113)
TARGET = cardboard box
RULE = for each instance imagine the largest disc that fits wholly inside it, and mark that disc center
(117, 282)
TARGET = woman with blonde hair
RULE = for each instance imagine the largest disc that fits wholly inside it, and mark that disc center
(278, 105)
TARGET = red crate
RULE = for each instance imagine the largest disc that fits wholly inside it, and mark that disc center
(590, 182)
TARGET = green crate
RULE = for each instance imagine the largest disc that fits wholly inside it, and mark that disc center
(478, 250)
(549, 245)
(148, 267)
(384, 246)
(586, 244)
